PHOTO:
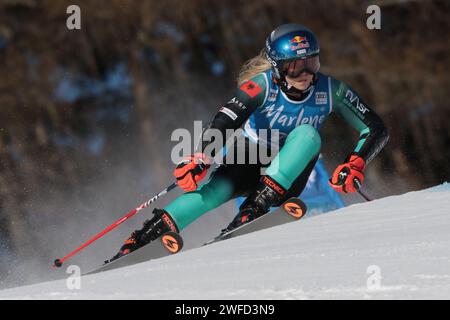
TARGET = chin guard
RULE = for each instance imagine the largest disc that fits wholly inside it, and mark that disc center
(292, 91)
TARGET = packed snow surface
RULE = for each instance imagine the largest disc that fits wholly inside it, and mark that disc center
(392, 248)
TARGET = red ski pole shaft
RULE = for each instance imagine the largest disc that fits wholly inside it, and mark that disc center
(58, 262)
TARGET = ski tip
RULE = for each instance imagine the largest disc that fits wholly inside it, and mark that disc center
(220, 237)
(209, 242)
(57, 263)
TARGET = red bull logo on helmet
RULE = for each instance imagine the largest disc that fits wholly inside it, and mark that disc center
(299, 42)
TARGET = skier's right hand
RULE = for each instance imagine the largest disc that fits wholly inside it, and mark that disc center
(191, 170)
(343, 179)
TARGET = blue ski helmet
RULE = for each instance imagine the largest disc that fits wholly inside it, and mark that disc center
(291, 49)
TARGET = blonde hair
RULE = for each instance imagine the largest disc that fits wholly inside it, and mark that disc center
(253, 66)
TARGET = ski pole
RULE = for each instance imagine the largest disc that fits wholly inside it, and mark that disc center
(343, 175)
(59, 262)
(362, 193)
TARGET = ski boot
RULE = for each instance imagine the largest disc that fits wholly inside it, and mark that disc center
(152, 229)
(267, 194)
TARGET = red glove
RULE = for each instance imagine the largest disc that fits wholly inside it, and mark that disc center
(343, 179)
(191, 170)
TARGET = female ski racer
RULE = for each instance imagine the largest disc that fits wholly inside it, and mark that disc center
(280, 89)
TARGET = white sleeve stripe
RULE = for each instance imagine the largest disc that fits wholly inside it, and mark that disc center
(251, 133)
(229, 113)
(267, 89)
(330, 94)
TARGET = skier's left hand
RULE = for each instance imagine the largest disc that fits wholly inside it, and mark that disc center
(343, 179)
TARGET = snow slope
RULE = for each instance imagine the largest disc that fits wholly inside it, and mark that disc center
(331, 256)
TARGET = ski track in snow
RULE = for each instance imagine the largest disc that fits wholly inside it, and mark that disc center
(324, 257)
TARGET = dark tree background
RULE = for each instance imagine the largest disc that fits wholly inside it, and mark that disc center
(86, 115)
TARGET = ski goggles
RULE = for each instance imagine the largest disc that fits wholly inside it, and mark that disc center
(294, 68)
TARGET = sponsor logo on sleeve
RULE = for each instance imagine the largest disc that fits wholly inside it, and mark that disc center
(236, 101)
(251, 88)
(354, 100)
(229, 113)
